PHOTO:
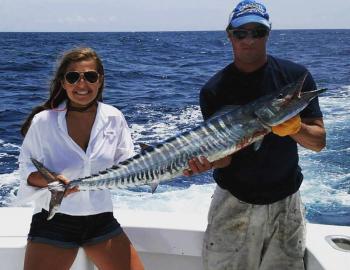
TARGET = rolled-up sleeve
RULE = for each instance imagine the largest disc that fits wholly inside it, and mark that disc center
(31, 148)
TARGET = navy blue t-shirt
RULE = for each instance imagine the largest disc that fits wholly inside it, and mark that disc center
(271, 173)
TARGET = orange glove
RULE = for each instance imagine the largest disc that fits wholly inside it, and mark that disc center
(288, 127)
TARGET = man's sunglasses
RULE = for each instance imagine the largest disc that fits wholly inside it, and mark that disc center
(73, 77)
(244, 33)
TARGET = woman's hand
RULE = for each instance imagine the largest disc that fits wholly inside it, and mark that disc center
(66, 181)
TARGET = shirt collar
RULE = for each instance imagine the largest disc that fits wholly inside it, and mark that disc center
(101, 119)
(61, 116)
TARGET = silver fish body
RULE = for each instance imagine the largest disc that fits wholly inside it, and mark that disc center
(214, 139)
(225, 133)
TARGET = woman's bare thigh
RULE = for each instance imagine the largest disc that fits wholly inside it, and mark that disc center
(116, 253)
(44, 256)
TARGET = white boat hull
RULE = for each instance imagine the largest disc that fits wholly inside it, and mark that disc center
(169, 241)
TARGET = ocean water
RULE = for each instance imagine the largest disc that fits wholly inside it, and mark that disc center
(155, 78)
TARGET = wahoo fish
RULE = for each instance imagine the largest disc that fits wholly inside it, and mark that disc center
(226, 132)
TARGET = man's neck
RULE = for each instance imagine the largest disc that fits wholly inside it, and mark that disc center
(250, 67)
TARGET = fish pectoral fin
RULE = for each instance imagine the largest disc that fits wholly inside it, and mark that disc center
(154, 186)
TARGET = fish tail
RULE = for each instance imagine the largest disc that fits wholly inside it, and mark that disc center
(55, 186)
(57, 190)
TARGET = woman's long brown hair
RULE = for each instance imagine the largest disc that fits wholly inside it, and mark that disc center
(57, 93)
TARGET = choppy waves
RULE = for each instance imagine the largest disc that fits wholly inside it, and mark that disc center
(154, 78)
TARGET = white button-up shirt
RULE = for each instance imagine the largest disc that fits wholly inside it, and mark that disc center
(48, 141)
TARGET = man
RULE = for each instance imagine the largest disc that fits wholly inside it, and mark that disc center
(256, 218)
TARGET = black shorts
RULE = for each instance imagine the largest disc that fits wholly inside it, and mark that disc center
(73, 231)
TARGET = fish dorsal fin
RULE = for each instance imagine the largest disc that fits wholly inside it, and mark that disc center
(223, 110)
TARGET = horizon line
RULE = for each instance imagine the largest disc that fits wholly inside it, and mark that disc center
(158, 31)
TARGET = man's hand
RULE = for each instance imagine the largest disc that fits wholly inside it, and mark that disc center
(197, 165)
(201, 165)
(289, 127)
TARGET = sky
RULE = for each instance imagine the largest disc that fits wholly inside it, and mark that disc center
(162, 15)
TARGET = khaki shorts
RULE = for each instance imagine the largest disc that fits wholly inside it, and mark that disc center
(242, 236)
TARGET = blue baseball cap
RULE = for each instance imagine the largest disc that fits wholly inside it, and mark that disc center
(249, 11)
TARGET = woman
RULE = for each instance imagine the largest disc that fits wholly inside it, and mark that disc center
(74, 134)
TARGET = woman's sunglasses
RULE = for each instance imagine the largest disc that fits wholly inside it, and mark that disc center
(73, 77)
(254, 33)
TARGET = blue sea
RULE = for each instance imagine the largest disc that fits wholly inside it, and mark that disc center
(154, 78)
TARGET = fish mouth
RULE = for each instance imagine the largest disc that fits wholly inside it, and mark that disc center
(309, 95)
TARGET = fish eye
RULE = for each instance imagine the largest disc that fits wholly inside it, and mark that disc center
(280, 95)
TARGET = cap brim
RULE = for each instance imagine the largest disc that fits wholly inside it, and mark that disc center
(250, 19)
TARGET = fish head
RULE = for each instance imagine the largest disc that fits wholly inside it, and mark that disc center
(287, 103)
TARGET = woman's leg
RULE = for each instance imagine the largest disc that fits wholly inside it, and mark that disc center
(116, 253)
(44, 256)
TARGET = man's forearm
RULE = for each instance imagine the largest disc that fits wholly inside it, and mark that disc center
(222, 163)
(312, 134)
